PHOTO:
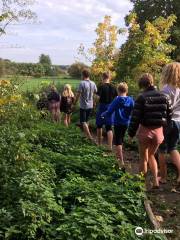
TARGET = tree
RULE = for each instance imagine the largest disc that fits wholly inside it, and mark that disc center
(152, 9)
(1, 67)
(102, 54)
(75, 69)
(146, 50)
(45, 59)
(15, 11)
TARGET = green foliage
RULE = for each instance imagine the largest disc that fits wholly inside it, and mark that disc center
(15, 11)
(103, 52)
(45, 59)
(1, 68)
(55, 184)
(152, 9)
(146, 50)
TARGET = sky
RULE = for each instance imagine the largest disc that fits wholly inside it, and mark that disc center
(61, 27)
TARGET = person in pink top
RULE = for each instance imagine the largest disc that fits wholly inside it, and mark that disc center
(171, 86)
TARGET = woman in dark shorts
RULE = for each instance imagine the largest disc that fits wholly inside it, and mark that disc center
(67, 101)
(54, 104)
(106, 92)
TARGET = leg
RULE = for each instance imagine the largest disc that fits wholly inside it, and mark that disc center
(86, 130)
(84, 115)
(99, 135)
(65, 120)
(172, 142)
(163, 168)
(176, 161)
(143, 154)
(119, 132)
(119, 156)
(153, 163)
(109, 137)
(69, 119)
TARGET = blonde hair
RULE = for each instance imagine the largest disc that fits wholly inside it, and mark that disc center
(67, 92)
(122, 87)
(171, 74)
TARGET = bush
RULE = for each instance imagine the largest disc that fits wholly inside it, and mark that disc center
(75, 70)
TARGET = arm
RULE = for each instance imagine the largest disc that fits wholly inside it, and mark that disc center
(78, 94)
(95, 96)
(137, 115)
(169, 109)
(77, 97)
(113, 106)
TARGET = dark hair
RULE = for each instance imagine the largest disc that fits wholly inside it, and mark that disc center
(145, 81)
(106, 75)
(85, 73)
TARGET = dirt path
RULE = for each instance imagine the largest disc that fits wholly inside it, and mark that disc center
(164, 202)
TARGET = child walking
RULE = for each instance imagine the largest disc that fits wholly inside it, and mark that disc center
(171, 81)
(106, 93)
(66, 106)
(122, 106)
(150, 114)
(54, 103)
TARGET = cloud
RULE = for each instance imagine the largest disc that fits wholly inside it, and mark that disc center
(64, 24)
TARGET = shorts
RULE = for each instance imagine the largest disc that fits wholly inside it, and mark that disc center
(84, 115)
(150, 135)
(66, 110)
(54, 106)
(171, 137)
(107, 121)
(119, 133)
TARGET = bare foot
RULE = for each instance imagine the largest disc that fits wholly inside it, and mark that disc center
(162, 180)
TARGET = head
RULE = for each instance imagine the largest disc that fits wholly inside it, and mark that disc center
(122, 89)
(85, 74)
(67, 92)
(53, 88)
(146, 81)
(171, 74)
(106, 76)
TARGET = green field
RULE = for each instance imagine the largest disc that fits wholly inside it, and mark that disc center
(33, 84)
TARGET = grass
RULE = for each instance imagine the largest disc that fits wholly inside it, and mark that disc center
(34, 84)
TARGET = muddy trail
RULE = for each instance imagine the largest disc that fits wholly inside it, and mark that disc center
(165, 201)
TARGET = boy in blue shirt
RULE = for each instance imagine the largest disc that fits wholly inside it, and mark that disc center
(122, 107)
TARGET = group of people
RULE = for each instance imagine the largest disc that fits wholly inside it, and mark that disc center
(154, 117)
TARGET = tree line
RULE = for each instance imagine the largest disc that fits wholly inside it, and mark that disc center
(43, 68)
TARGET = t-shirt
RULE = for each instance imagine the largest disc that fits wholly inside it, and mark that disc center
(107, 92)
(66, 104)
(87, 88)
(174, 94)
